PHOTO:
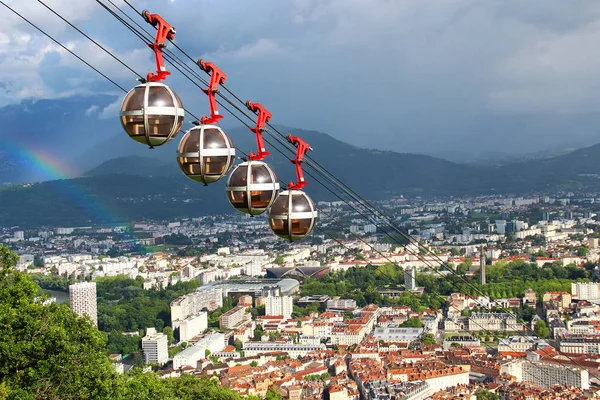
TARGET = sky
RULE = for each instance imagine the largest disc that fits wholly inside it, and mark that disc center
(427, 76)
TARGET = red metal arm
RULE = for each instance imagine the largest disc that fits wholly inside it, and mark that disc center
(301, 148)
(164, 31)
(263, 117)
(216, 78)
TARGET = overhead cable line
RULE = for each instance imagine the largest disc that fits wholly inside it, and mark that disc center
(104, 74)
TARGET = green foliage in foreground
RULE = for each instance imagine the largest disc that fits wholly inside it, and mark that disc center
(47, 352)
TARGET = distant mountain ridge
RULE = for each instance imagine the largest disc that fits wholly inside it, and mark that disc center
(133, 187)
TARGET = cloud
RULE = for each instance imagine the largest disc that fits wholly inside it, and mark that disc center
(417, 72)
(261, 49)
(112, 110)
(93, 109)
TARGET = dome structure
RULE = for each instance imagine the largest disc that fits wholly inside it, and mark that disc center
(252, 187)
(293, 215)
(152, 113)
(206, 153)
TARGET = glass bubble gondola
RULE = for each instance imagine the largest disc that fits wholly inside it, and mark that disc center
(293, 215)
(252, 187)
(206, 154)
(152, 114)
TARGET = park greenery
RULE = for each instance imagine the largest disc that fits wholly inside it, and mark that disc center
(504, 280)
(124, 306)
(47, 352)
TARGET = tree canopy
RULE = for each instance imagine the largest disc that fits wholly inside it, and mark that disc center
(47, 352)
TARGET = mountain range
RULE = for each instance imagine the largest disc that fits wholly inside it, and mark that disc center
(140, 183)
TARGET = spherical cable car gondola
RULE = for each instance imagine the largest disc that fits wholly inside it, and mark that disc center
(206, 153)
(252, 186)
(293, 215)
(152, 113)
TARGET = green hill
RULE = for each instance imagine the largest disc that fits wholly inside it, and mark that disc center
(134, 188)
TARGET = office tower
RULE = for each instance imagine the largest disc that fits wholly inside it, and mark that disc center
(482, 266)
(410, 274)
(155, 347)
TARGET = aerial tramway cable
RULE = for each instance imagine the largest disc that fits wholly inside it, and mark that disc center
(106, 77)
(328, 175)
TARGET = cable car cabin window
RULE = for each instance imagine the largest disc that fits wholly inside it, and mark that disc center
(261, 198)
(280, 207)
(215, 165)
(190, 165)
(229, 141)
(260, 174)
(300, 204)
(279, 226)
(191, 143)
(135, 99)
(301, 226)
(161, 125)
(134, 125)
(214, 139)
(159, 96)
(238, 199)
(239, 177)
(179, 102)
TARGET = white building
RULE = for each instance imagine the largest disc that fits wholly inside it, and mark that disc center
(83, 300)
(155, 347)
(520, 344)
(275, 304)
(341, 305)
(193, 303)
(189, 357)
(585, 290)
(294, 350)
(544, 374)
(192, 326)
(19, 235)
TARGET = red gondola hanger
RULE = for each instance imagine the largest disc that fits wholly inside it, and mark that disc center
(164, 31)
(152, 113)
(206, 153)
(263, 117)
(253, 186)
(301, 148)
(217, 77)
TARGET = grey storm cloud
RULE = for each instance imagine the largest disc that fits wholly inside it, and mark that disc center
(407, 75)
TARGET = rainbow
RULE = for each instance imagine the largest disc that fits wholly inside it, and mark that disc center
(50, 166)
(54, 168)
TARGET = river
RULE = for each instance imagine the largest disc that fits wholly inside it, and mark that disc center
(61, 297)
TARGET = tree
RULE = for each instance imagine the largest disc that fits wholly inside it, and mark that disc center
(238, 344)
(168, 331)
(272, 394)
(279, 259)
(583, 251)
(541, 329)
(412, 323)
(484, 394)
(258, 333)
(428, 338)
(47, 352)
